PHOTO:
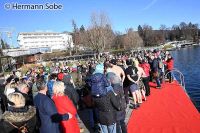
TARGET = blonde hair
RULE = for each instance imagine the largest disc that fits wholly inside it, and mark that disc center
(13, 85)
(58, 87)
(17, 98)
(136, 63)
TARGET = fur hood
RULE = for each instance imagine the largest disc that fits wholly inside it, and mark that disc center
(19, 116)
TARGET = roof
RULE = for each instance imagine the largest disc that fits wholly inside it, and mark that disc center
(42, 32)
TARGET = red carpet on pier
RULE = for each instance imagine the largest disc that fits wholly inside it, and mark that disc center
(167, 110)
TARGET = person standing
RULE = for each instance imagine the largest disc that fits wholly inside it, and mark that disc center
(105, 102)
(170, 67)
(48, 114)
(65, 105)
(133, 79)
(119, 93)
(155, 71)
(141, 74)
(24, 90)
(50, 83)
(145, 78)
(18, 117)
(112, 67)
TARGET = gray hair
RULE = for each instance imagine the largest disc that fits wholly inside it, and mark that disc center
(22, 86)
(41, 85)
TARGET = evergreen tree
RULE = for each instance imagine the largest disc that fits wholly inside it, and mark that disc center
(2, 44)
(140, 31)
(82, 29)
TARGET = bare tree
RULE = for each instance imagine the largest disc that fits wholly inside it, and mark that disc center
(132, 39)
(163, 30)
(99, 34)
(118, 41)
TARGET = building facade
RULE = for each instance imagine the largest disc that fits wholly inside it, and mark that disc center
(45, 40)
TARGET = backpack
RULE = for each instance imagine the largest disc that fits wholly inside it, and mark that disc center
(99, 84)
(21, 129)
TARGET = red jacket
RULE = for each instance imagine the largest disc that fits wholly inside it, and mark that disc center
(170, 64)
(146, 68)
(64, 105)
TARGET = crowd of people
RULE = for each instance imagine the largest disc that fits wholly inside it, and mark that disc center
(46, 99)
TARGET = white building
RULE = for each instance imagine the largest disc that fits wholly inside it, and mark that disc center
(52, 40)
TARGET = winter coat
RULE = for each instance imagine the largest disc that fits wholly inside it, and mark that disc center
(170, 64)
(18, 117)
(155, 65)
(65, 105)
(121, 114)
(107, 106)
(146, 68)
(47, 110)
(120, 97)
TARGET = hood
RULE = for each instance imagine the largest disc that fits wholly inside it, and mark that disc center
(19, 116)
(99, 69)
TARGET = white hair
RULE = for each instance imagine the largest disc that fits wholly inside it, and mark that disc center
(58, 87)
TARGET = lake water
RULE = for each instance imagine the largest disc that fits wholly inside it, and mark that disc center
(187, 60)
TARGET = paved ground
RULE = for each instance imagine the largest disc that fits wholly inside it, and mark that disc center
(84, 119)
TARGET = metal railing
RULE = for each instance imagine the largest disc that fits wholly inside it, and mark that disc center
(180, 75)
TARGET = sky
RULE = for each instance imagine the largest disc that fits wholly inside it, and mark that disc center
(123, 14)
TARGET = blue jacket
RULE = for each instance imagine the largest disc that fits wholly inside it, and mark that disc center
(47, 110)
(155, 65)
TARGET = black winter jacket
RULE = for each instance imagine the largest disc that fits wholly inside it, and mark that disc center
(23, 117)
(107, 107)
(121, 114)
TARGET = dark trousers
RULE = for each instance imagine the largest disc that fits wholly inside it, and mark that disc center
(158, 81)
(151, 76)
(126, 90)
(146, 84)
(157, 78)
(169, 76)
(121, 127)
(161, 77)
